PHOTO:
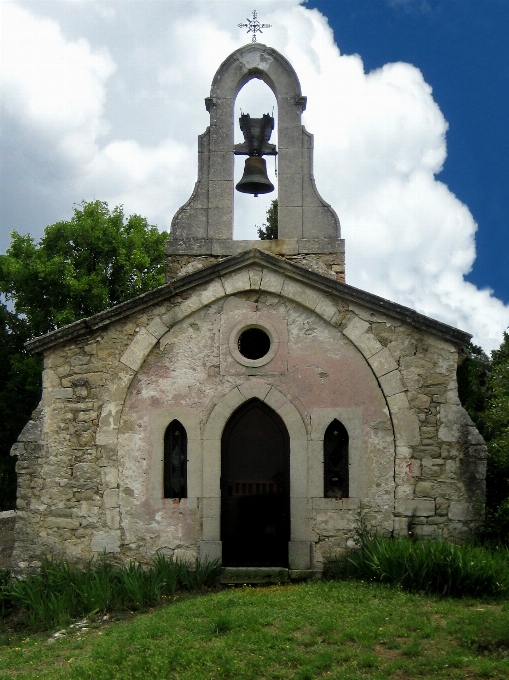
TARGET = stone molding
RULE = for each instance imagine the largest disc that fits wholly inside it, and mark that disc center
(296, 426)
(257, 258)
(280, 246)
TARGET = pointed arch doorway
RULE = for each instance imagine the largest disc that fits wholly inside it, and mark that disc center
(255, 488)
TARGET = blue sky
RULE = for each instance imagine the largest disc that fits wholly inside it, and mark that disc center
(462, 49)
(104, 99)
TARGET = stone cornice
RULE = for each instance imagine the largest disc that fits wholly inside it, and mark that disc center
(226, 247)
(231, 264)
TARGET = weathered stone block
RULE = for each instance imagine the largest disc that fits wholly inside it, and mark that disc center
(32, 431)
(109, 477)
(79, 360)
(254, 388)
(391, 383)
(299, 555)
(355, 328)
(405, 490)
(326, 309)
(85, 416)
(401, 526)
(333, 504)
(255, 277)
(110, 498)
(157, 328)
(415, 506)
(112, 518)
(302, 293)
(61, 523)
(236, 282)
(272, 281)
(108, 424)
(210, 528)
(406, 428)
(105, 541)
(382, 362)
(17, 449)
(425, 489)
(425, 531)
(86, 473)
(275, 399)
(210, 550)
(140, 346)
(211, 507)
(462, 512)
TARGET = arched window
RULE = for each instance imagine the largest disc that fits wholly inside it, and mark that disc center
(175, 461)
(335, 461)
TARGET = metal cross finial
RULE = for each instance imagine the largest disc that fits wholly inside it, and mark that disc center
(254, 26)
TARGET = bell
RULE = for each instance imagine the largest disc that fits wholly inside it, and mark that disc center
(254, 180)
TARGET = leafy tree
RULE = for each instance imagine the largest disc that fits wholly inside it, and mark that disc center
(20, 391)
(484, 391)
(268, 230)
(473, 375)
(496, 432)
(95, 260)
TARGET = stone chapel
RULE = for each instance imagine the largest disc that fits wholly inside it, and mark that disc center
(247, 408)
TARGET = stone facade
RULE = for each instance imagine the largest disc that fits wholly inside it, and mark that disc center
(90, 460)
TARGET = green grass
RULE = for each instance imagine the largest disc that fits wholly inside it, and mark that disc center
(314, 630)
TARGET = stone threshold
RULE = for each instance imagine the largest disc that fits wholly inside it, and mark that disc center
(268, 575)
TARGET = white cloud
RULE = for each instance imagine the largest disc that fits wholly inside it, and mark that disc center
(108, 104)
(50, 84)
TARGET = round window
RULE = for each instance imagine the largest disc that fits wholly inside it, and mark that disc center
(253, 343)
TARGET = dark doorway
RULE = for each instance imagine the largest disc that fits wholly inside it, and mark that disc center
(255, 488)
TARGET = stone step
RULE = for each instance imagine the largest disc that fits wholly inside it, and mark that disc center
(260, 575)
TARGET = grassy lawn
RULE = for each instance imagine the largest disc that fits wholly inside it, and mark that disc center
(315, 630)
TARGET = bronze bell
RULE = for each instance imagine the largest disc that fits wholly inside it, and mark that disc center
(254, 180)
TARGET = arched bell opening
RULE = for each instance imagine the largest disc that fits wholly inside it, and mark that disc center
(255, 98)
(255, 488)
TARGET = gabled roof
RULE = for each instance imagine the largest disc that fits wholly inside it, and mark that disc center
(231, 264)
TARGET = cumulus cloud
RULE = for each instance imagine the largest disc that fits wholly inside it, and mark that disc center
(108, 104)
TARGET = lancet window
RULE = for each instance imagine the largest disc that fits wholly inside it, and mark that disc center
(335, 461)
(175, 461)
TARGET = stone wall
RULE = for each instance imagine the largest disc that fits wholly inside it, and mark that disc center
(331, 265)
(89, 460)
(7, 524)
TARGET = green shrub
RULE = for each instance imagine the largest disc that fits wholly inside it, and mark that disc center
(60, 593)
(5, 604)
(426, 566)
(204, 574)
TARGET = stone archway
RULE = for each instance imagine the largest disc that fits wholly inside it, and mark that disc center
(255, 488)
(300, 535)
